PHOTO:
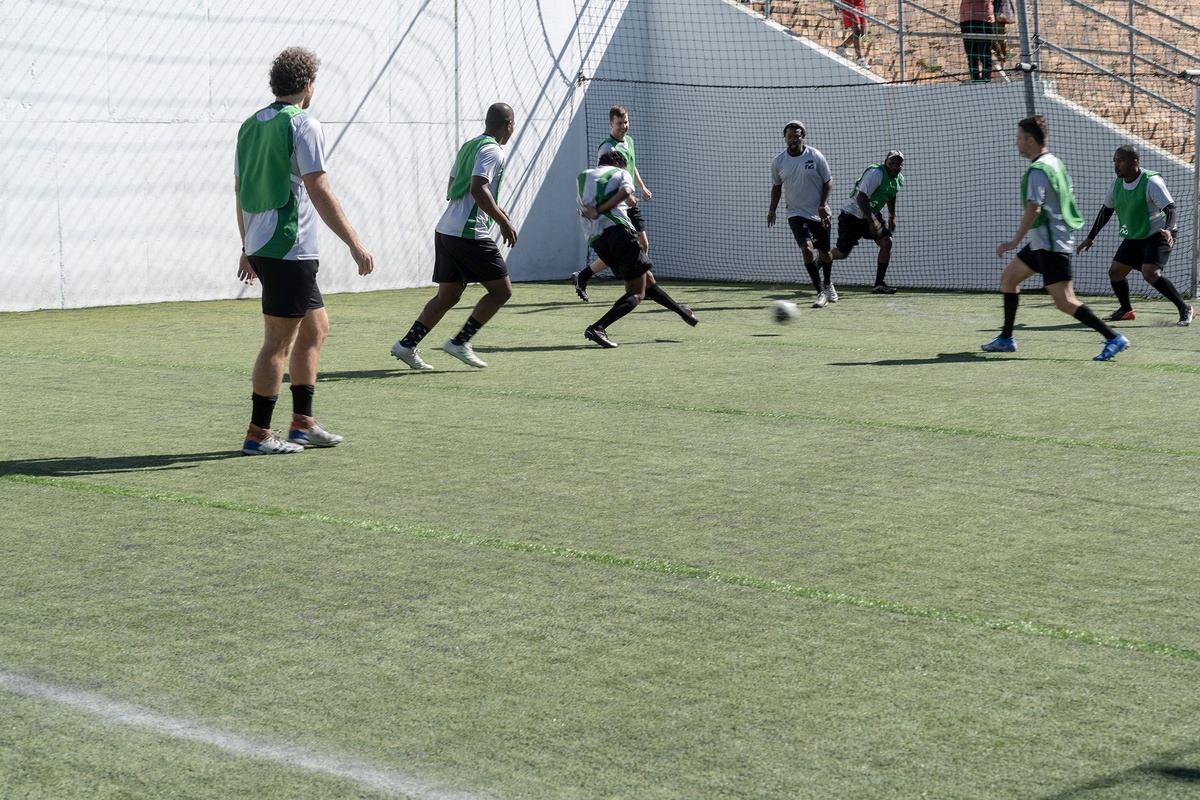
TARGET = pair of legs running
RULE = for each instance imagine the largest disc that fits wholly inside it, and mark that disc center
(497, 293)
(636, 290)
(1117, 275)
(1061, 289)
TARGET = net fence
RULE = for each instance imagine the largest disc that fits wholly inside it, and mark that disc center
(707, 117)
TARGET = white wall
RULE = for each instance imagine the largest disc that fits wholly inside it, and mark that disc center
(118, 121)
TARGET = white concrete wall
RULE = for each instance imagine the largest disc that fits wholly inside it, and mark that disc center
(118, 122)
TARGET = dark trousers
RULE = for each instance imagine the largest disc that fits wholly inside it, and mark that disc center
(979, 51)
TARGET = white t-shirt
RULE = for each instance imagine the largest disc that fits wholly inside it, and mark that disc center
(464, 213)
(867, 184)
(1157, 198)
(1056, 236)
(590, 193)
(803, 178)
(308, 156)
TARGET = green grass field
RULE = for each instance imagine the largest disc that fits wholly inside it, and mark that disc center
(851, 557)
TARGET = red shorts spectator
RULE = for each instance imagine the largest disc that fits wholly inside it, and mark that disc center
(851, 21)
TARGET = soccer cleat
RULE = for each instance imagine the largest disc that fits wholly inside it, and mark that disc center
(1186, 319)
(831, 293)
(580, 288)
(464, 353)
(270, 446)
(883, 288)
(410, 356)
(598, 335)
(690, 319)
(821, 301)
(1000, 345)
(315, 436)
(1122, 315)
(1112, 347)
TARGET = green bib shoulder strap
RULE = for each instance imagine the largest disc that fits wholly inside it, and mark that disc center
(1061, 184)
(464, 166)
(264, 151)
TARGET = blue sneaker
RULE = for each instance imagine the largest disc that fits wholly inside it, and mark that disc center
(1000, 345)
(1112, 347)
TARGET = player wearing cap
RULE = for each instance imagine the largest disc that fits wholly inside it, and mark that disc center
(1051, 219)
(860, 217)
(1146, 212)
(801, 174)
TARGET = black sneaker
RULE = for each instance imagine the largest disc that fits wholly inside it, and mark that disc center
(596, 334)
(883, 288)
(690, 319)
(580, 288)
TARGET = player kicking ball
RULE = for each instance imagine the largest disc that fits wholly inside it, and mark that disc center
(603, 192)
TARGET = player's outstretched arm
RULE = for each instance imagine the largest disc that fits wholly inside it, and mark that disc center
(776, 193)
(1032, 210)
(330, 211)
(1102, 219)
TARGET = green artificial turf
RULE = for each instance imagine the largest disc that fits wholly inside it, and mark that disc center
(847, 557)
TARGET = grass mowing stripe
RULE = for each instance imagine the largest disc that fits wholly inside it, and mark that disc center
(135, 716)
(643, 565)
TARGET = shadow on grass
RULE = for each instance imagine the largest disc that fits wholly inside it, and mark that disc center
(1168, 770)
(90, 465)
(940, 358)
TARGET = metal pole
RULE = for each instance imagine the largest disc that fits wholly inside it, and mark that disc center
(767, 9)
(1196, 193)
(900, 34)
(1027, 66)
(1132, 61)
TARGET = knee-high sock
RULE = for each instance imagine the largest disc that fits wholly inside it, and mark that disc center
(1121, 290)
(1085, 315)
(814, 272)
(880, 271)
(1011, 301)
(665, 300)
(1168, 290)
(627, 303)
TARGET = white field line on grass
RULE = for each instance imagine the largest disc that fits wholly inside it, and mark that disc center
(127, 714)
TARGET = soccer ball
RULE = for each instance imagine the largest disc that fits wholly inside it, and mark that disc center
(784, 311)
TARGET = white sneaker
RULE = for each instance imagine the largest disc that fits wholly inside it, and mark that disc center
(464, 353)
(410, 356)
(831, 293)
(270, 446)
(316, 436)
(841, 51)
(862, 62)
(821, 301)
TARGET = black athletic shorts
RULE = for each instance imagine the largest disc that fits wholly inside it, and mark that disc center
(635, 216)
(852, 230)
(289, 288)
(1151, 250)
(459, 260)
(619, 248)
(1053, 267)
(805, 229)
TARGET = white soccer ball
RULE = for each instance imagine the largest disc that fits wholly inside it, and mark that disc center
(784, 311)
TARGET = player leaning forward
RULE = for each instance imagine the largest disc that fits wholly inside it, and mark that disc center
(861, 216)
(603, 192)
(1051, 219)
(1146, 213)
(281, 190)
(464, 251)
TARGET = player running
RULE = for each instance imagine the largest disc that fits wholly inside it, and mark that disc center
(801, 174)
(860, 217)
(1146, 213)
(1051, 219)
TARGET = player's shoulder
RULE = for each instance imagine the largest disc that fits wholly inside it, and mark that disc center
(814, 153)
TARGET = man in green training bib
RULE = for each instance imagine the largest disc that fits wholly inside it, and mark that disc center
(1146, 213)
(282, 190)
(464, 251)
(1051, 219)
(862, 218)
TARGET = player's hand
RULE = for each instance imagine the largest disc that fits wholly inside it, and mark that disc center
(1168, 238)
(1086, 244)
(1004, 248)
(363, 258)
(246, 273)
(588, 212)
(823, 213)
(646, 193)
(508, 232)
(770, 219)
(632, 202)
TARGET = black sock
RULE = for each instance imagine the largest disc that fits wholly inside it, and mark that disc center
(1085, 315)
(1011, 301)
(414, 336)
(1168, 290)
(468, 330)
(827, 268)
(815, 274)
(880, 271)
(302, 397)
(261, 409)
(585, 275)
(665, 300)
(1121, 290)
(627, 303)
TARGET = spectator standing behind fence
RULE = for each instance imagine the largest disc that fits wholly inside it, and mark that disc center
(976, 17)
(856, 24)
(1006, 14)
